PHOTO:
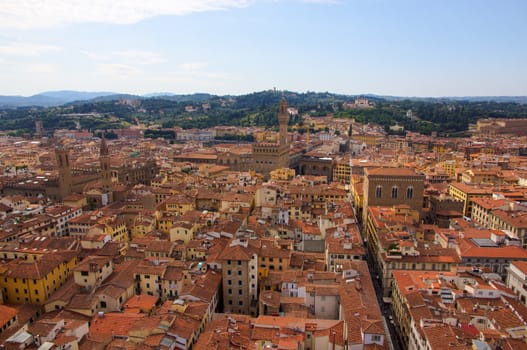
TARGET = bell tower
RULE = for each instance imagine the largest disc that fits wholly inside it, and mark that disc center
(106, 176)
(62, 156)
(39, 129)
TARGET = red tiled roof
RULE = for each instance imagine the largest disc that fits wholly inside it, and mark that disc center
(114, 324)
(6, 314)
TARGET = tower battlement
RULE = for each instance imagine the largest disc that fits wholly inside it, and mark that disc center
(269, 156)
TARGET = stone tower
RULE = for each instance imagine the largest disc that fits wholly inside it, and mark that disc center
(62, 156)
(269, 156)
(282, 160)
(39, 129)
(283, 121)
(106, 175)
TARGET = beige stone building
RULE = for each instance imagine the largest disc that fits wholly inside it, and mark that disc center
(516, 277)
(467, 194)
(392, 186)
(92, 271)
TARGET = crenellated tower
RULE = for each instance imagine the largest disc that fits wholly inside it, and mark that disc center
(269, 156)
(283, 121)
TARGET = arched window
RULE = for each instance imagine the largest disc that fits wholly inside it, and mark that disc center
(378, 192)
(394, 192)
(409, 193)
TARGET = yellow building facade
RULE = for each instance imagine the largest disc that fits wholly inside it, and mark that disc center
(34, 281)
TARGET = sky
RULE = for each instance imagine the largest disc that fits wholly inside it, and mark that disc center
(385, 47)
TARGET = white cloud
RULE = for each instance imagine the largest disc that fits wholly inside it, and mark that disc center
(42, 68)
(192, 66)
(96, 56)
(26, 49)
(118, 70)
(27, 14)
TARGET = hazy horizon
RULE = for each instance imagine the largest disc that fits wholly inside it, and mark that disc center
(168, 93)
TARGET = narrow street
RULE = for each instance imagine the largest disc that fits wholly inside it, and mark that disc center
(384, 307)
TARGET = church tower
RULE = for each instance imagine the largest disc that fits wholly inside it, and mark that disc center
(39, 129)
(62, 156)
(106, 179)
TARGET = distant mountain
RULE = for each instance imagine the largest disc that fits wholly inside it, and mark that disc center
(50, 98)
(196, 97)
(57, 98)
(20, 101)
(515, 99)
(110, 97)
(158, 94)
(500, 99)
